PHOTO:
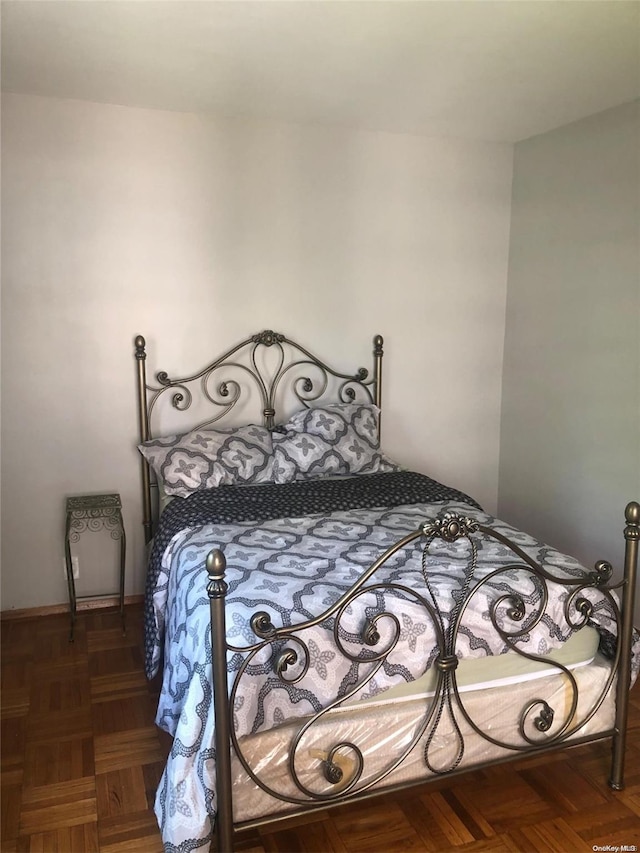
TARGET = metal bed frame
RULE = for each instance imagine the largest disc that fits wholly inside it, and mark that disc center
(312, 380)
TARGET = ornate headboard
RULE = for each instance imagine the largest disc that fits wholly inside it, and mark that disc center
(264, 378)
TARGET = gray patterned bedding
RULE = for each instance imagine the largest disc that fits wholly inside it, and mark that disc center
(293, 552)
(269, 501)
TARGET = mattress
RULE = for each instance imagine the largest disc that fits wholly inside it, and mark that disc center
(384, 730)
(510, 668)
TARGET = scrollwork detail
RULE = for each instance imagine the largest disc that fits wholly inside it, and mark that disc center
(585, 607)
(347, 394)
(287, 658)
(181, 401)
(542, 722)
(225, 389)
(601, 574)
(262, 626)
(578, 603)
(515, 608)
(229, 390)
(305, 389)
(333, 773)
(94, 520)
(517, 611)
(370, 634)
(264, 374)
(289, 651)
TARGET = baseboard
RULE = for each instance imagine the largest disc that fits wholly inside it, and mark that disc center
(53, 609)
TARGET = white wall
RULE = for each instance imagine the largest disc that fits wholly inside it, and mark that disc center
(197, 232)
(570, 443)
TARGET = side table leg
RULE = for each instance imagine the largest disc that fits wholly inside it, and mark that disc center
(123, 552)
(70, 581)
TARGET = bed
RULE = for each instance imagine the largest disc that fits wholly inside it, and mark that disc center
(328, 625)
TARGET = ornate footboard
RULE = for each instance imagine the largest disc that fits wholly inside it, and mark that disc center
(444, 715)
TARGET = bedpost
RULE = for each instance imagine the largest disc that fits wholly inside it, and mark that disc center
(378, 352)
(143, 419)
(217, 591)
(631, 535)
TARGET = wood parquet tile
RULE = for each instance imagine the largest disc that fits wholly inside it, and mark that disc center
(439, 825)
(66, 838)
(121, 791)
(57, 805)
(131, 833)
(82, 758)
(121, 750)
(43, 727)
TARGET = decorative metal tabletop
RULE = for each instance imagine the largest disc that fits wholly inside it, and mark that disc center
(93, 502)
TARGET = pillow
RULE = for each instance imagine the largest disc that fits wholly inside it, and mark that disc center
(329, 440)
(206, 458)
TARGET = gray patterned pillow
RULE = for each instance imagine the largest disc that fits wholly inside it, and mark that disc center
(206, 458)
(335, 439)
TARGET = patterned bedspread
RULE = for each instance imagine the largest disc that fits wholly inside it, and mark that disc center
(313, 541)
(268, 501)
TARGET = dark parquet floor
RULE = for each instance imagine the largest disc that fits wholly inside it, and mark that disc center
(81, 759)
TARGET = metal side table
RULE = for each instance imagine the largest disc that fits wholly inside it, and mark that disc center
(93, 513)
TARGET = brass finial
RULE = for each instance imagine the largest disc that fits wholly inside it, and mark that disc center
(140, 344)
(378, 342)
(216, 563)
(632, 512)
(632, 516)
